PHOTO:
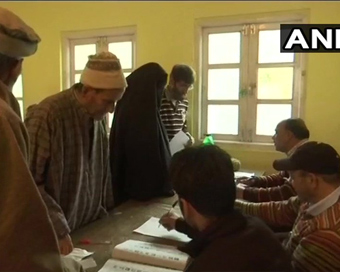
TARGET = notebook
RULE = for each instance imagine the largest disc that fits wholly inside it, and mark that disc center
(139, 256)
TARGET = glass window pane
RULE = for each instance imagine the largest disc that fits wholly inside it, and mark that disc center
(269, 115)
(269, 48)
(224, 48)
(77, 78)
(275, 83)
(21, 104)
(123, 50)
(223, 119)
(81, 54)
(18, 88)
(223, 84)
(126, 74)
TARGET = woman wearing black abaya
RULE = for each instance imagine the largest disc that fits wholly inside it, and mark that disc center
(139, 147)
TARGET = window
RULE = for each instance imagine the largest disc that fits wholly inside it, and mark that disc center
(248, 86)
(80, 45)
(19, 94)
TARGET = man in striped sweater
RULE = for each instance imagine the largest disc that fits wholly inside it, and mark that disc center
(289, 135)
(314, 242)
(174, 104)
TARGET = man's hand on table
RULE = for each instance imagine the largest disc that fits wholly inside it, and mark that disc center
(66, 245)
(239, 190)
(168, 221)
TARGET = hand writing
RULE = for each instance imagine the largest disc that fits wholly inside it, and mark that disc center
(168, 220)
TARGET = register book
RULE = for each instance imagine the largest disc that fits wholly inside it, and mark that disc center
(139, 256)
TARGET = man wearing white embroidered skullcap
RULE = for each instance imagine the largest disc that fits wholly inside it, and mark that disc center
(103, 71)
(27, 239)
(69, 144)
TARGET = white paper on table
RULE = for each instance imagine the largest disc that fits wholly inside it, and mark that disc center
(88, 263)
(150, 228)
(81, 256)
(178, 142)
(240, 174)
(123, 266)
(78, 254)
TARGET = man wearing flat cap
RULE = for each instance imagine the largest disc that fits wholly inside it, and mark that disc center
(17, 40)
(69, 147)
(27, 238)
(314, 242)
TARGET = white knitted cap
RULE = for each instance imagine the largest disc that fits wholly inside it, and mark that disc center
(103, 71)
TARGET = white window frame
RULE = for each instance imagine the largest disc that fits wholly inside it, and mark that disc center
(205, 102)
(101, 38)
(297, 106)
(204, 27)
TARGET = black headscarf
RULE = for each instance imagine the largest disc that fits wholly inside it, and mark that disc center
(139, 147)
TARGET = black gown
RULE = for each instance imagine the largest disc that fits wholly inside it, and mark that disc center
(139, 146)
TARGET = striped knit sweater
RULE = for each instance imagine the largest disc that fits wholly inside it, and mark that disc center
(173, 116)
(314, 242)
(274, 187)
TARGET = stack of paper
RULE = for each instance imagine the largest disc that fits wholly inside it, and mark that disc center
(80, 255)
(142, 256)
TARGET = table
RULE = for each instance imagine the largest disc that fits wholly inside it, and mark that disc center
(117, 227)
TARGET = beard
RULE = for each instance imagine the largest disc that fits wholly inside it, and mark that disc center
(10, 82)
(99, 116)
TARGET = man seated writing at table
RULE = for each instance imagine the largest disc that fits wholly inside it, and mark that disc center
(223, 238)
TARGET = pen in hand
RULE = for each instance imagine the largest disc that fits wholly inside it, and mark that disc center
(172, 207)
